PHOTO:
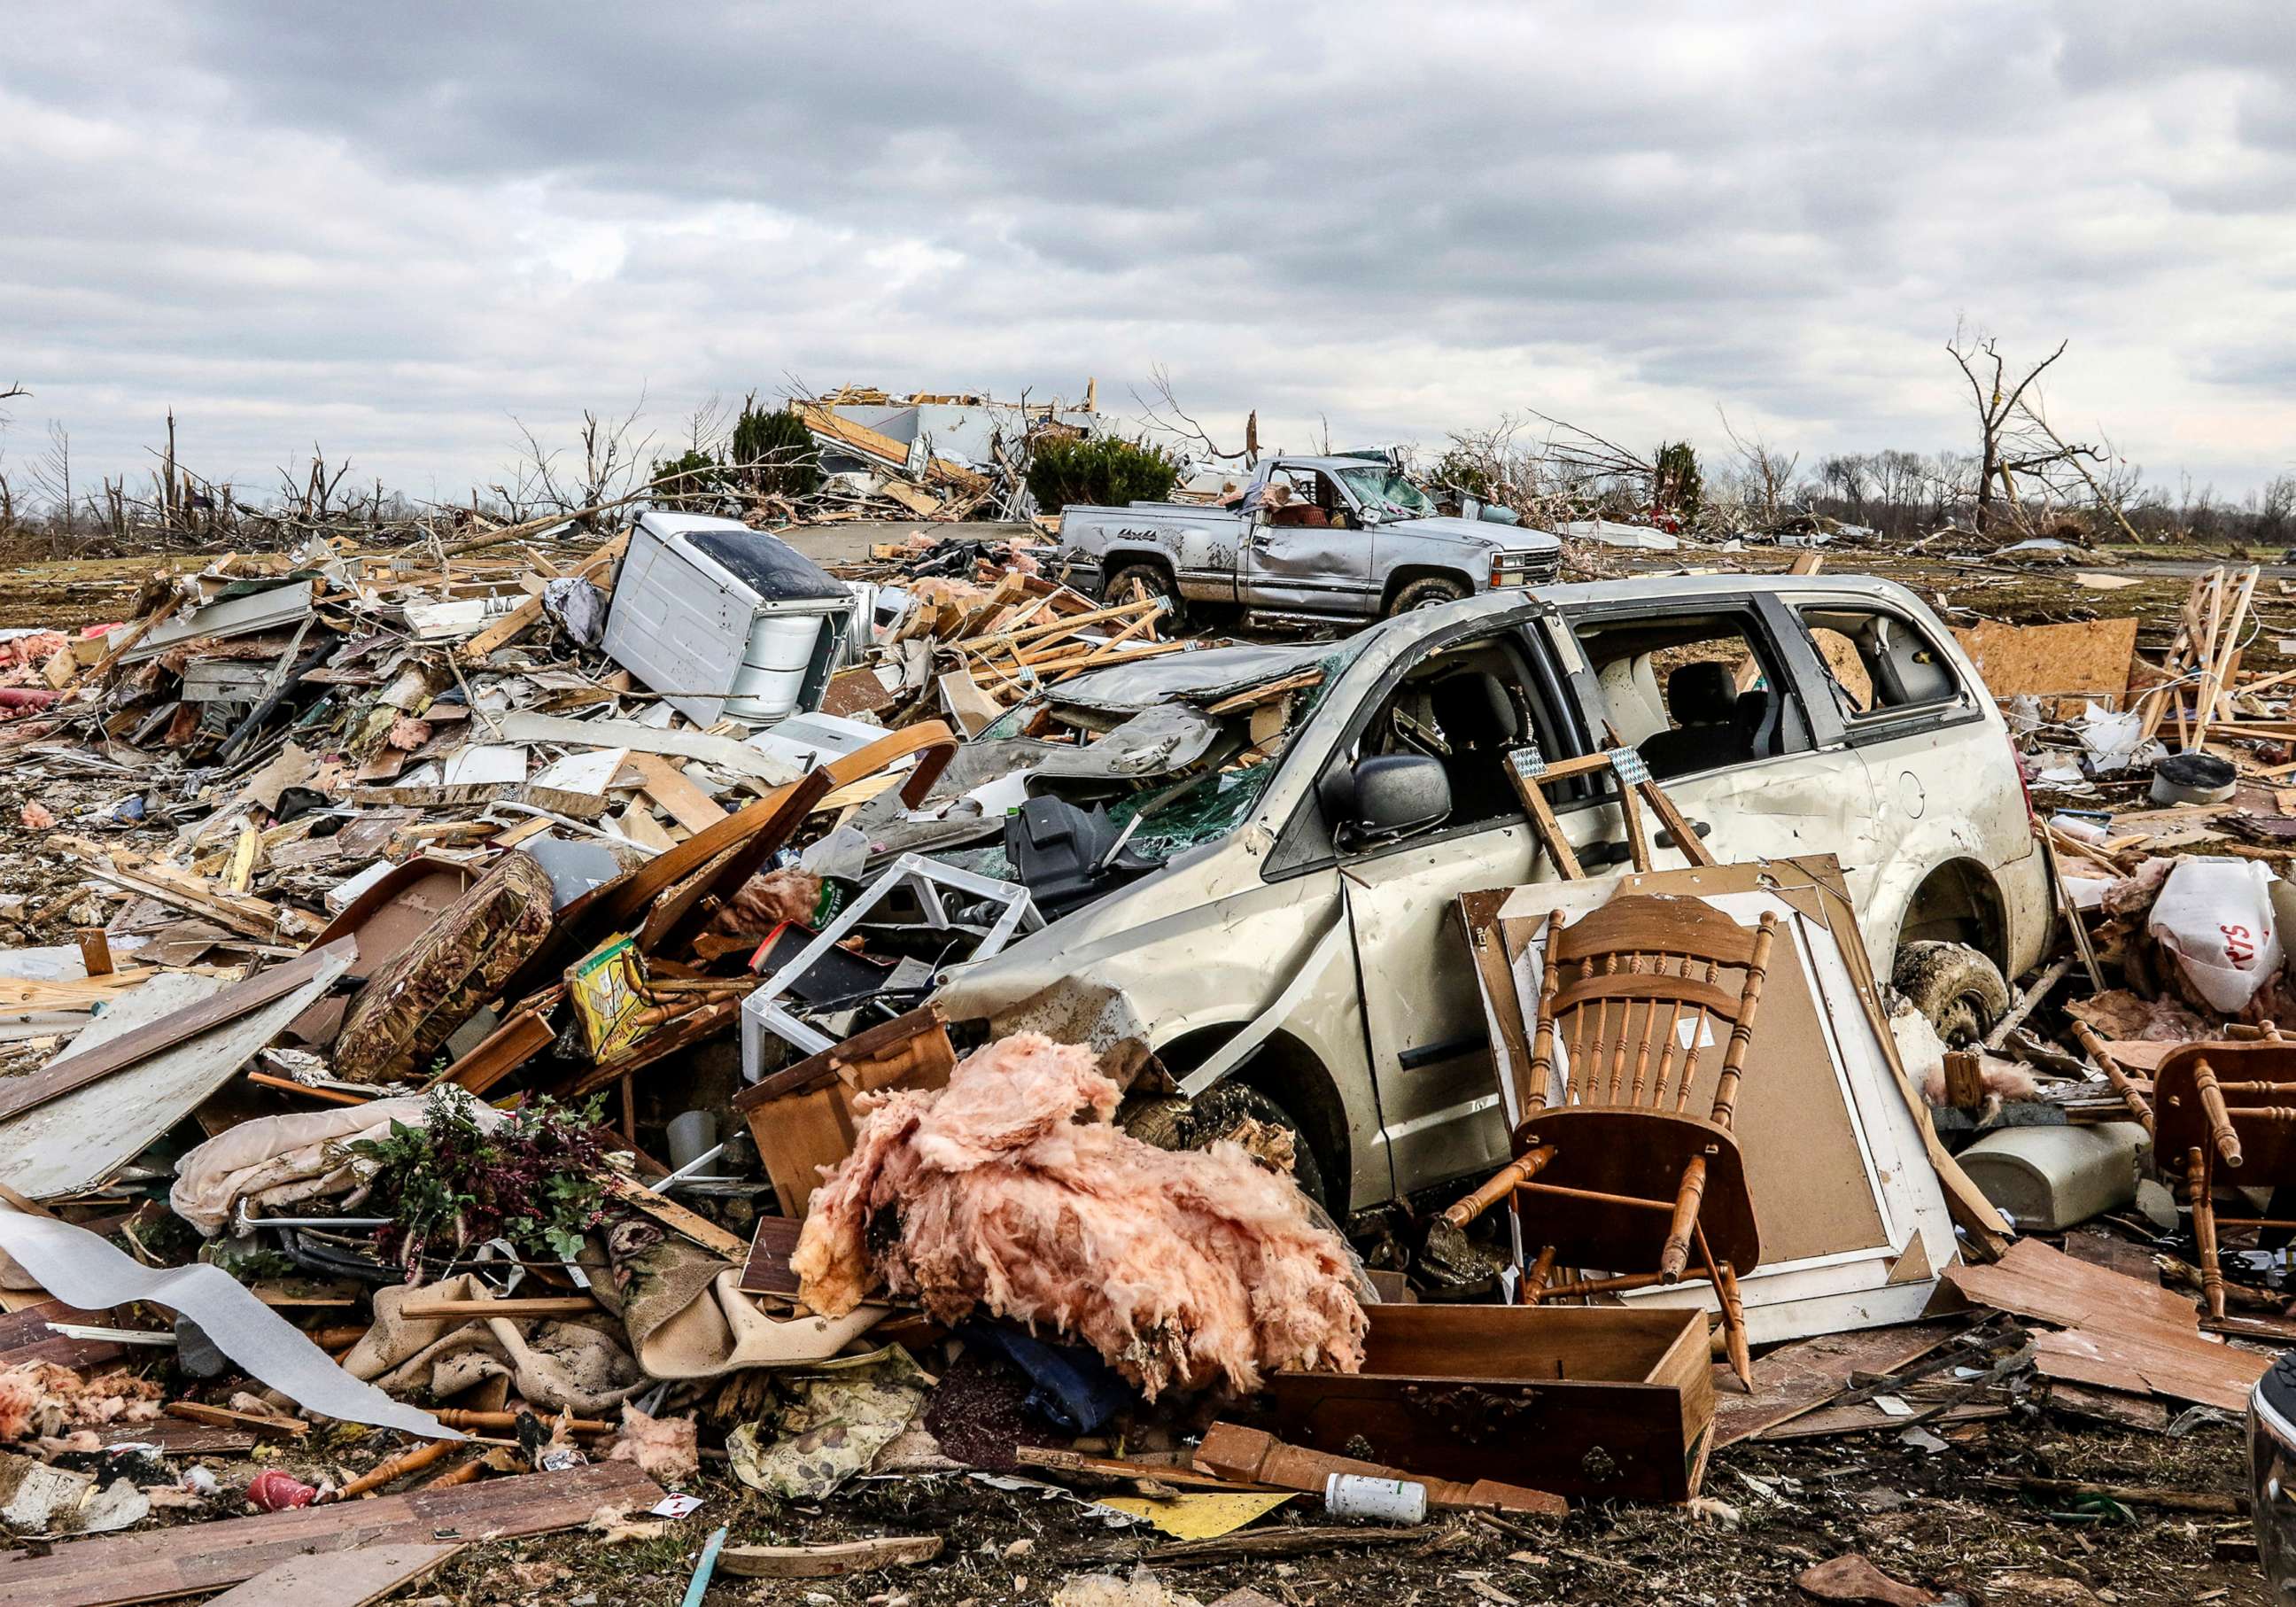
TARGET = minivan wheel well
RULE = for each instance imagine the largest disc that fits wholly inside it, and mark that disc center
(1291, 1074)
(1422, 572)
(1958, 902)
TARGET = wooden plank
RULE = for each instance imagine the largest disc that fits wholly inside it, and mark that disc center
(75, 1141)
(767, 1269)
(2088, 659)
(243, 999)
(827, 1561)
(676, 1217)
(25, 1336)
(356, 1579)
(542, 1304)
(113, 1571)
(2117, 1332)
(1799, 1377)
(667, 785)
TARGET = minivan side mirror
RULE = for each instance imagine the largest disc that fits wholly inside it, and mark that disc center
(1385, 798)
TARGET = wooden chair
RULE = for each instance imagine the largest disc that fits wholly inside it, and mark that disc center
(2231, 1105)
(1622, 1172)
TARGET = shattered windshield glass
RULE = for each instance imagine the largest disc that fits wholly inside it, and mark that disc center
(1389, 492)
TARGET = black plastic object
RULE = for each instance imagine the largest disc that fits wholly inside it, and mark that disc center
(1061, 854)
(770, 567)
(2202, 771)
(839, 979)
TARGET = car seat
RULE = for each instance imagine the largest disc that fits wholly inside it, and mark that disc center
(1703, 699)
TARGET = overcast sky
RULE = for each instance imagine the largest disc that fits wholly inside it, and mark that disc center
(390, 229)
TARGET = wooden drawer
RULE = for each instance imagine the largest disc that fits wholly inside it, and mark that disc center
(1596, 1403)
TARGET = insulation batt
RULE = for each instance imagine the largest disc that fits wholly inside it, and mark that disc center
(1176, 1266)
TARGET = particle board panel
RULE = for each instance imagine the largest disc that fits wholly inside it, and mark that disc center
(2088, 659)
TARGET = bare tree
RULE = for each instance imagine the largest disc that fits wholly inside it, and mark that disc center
(52, 473)
(1164, 412)
(1768, 475)
(2009, 442)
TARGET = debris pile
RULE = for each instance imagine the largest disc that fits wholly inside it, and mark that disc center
(775, 1068)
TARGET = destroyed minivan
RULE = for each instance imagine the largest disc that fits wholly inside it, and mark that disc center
(1298, 940)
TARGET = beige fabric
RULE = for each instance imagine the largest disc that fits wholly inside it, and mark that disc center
(578, 1364)
(687, 1317)
(278, 1161)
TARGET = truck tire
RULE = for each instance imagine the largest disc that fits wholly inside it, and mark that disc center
(1172, 1123)
(1433, 592)
(1154, 579)
(1956, 988)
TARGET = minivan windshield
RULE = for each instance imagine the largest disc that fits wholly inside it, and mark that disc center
(1389, 492)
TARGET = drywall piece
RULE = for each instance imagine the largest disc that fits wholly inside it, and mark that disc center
(482, 764)
(591, 772)
(2047, 1179)
(232, 616)
(76, 1139)
(520, 725)
(77, 1265)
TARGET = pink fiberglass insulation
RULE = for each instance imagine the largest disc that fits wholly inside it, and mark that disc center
(1175, 1265)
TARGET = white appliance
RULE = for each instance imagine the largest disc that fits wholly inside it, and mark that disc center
(724, 621)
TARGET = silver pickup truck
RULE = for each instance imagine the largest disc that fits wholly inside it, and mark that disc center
(1314, 538)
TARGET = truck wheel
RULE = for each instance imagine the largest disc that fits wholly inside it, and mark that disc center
(1153, 579)
(1433, 592)
(1171, 1123)
(1956, 988)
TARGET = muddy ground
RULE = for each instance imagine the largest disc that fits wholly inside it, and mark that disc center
(1950, 1518)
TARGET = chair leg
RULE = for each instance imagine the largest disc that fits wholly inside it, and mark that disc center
(1535, 1280)
(1734, 1313)
(2200, 1187)
(1675, 1255)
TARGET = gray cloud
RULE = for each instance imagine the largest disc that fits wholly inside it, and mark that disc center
(391, 228)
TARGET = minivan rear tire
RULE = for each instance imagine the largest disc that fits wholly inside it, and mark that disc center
(1955, 987)
(1170, 1122)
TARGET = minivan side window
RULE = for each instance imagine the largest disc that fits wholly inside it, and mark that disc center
(1693, 693)
(1879, 662)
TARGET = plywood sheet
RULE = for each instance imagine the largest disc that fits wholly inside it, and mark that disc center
(1796, 1378)
(2118, 1332)
(342, 1578)
(2089, 658)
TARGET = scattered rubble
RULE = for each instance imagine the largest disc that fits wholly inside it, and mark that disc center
(587, 1036)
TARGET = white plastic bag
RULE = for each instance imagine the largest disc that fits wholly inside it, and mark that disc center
(2215, 917)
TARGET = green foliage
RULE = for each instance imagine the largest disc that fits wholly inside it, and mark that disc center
(452, 1184)
(1106, 471)
(703, 481)
(780, 446)
(1678, 488)
(1467, 472)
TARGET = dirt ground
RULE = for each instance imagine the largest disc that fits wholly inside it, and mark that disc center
(1950, 1519)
